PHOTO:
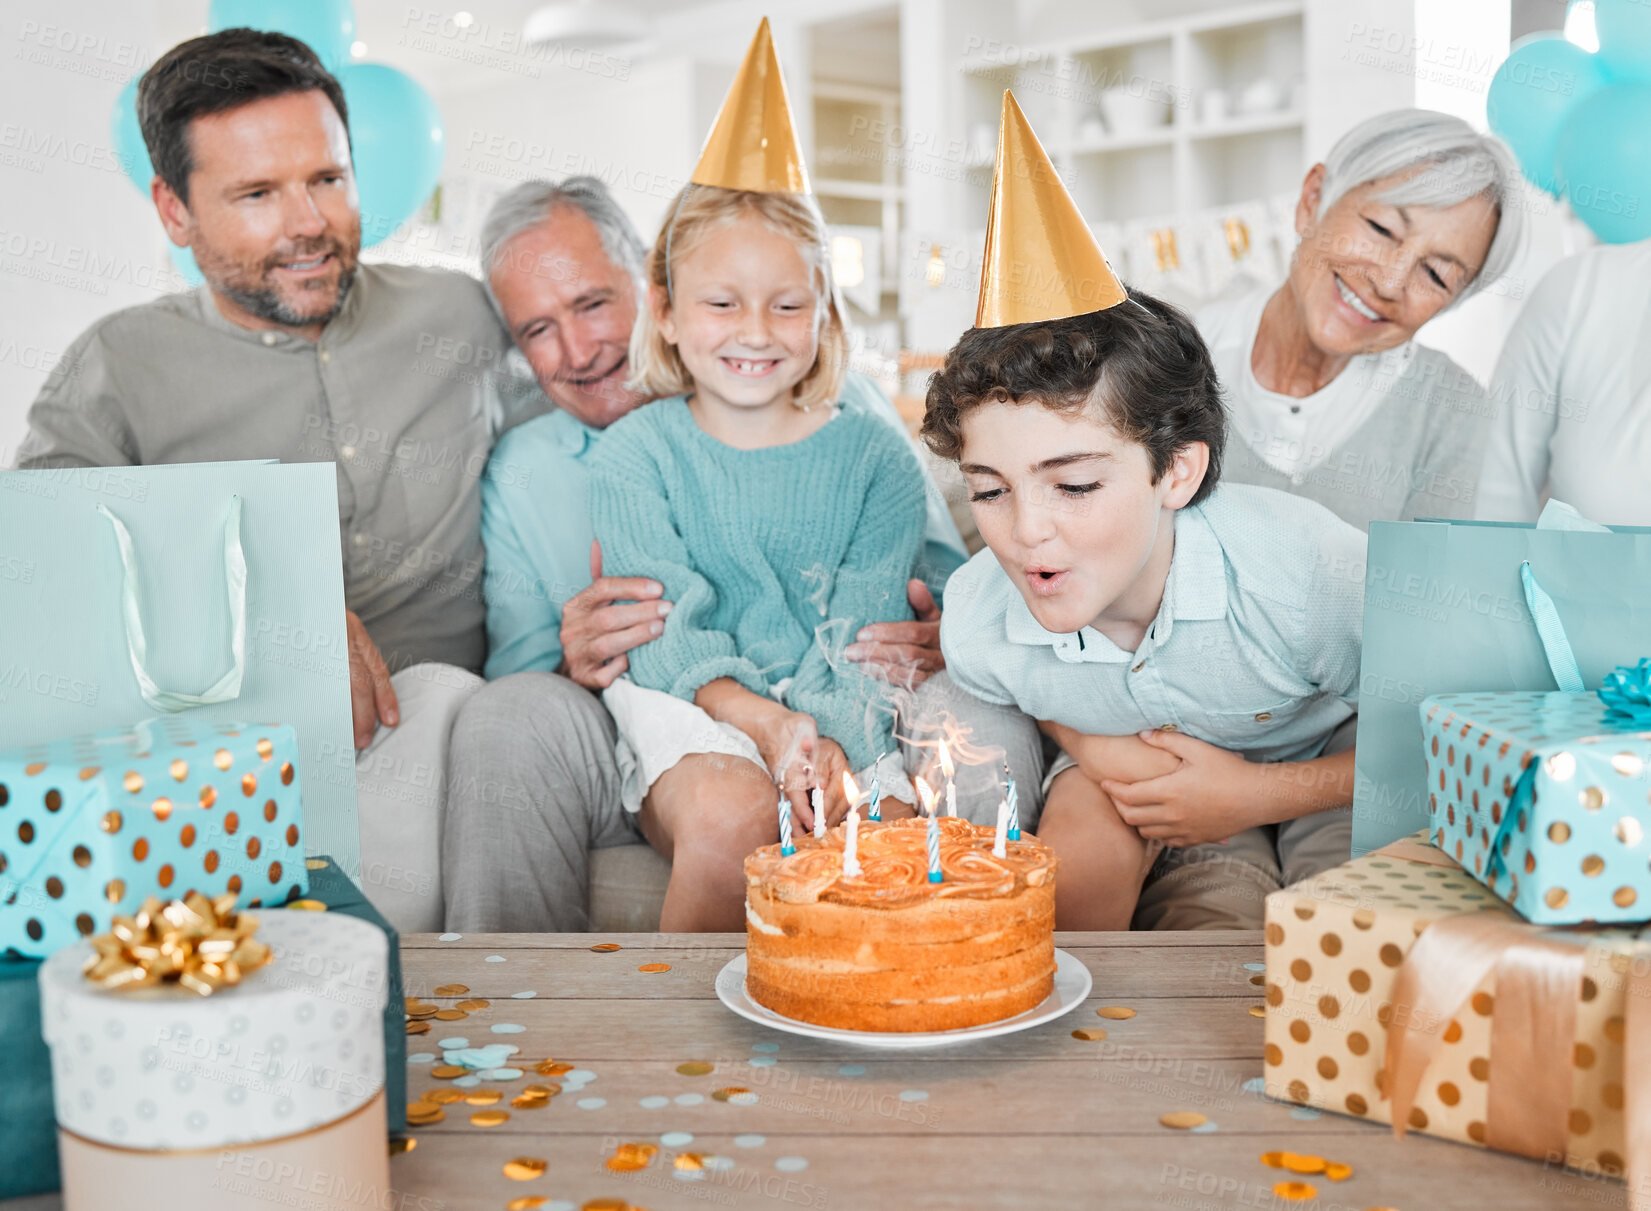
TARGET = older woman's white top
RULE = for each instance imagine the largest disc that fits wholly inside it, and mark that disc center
(1394, 436)
(1573, 393)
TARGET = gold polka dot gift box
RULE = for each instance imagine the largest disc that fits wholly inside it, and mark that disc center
(1543, 797)
(1401, 990)
(91, 826)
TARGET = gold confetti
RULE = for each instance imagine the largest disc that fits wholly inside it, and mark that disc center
(418, 1027)
(444, 1097)
(530, 1101)
(1273, 1160)
(402, 1143)
(1115, 1013)
(650, 968)
(1259, 979)
(694, 1068)
(1295, 1191)
(1304, 1164)
(628, 1158)
(689, 1160)
(722, 1095)
(315, 863)
(1258, 1011)
(1183, 1120)
(484, 1097)
(446, 1072)
(606, 1204)
(473, 1004)
(1089, 1036)
(524, 1168)
(422, 1114)
(527, 1202)
(307, 905)
(1336, 1171)
(606, 948)
(451, 1015)
(490, 1118)
(552, 1068)
(451, 990)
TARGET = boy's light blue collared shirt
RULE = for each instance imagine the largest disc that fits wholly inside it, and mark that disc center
(1255, 647)
(536, 529)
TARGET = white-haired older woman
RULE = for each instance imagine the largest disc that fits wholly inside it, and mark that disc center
(1330, 396)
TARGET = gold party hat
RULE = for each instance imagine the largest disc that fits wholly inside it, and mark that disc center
(753, 144)
(1042, 262)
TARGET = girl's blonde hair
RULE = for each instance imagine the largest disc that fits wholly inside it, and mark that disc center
(657, 368)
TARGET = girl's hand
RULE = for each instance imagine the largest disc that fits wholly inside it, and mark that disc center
(790, 744)
(830, 764)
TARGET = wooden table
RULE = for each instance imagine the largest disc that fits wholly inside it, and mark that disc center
(1036, 1119)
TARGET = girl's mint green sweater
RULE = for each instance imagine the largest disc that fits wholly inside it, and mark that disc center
(775, 557)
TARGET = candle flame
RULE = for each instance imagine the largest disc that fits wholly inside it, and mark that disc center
(927, 793)
(946, 765)
(851, 788)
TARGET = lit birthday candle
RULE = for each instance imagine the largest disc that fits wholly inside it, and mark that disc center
(947, 768)
(786, 847)
(1012, 798)
(929, 797)
(851, 844)
(817, 802)
(998, 848)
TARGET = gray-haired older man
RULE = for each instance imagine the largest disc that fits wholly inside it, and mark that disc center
(534, 785)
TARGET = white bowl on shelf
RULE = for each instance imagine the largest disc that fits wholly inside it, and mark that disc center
(1128, 112)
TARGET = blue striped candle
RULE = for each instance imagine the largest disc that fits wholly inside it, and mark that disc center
(873, 811)
(786, 847)
(934, 847)
(1012, 797)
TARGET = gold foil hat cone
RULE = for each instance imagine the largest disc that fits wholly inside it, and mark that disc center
(753, 144)
(1042, 262)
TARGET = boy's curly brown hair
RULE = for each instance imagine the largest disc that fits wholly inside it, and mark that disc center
(1144, 367)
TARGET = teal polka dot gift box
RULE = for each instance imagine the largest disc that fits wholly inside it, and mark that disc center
(1546, 799)
(91, 826)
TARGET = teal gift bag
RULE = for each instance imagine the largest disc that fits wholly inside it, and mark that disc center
(1445, 612)
(207, 592)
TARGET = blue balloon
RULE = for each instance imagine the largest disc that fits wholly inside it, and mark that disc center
(127, 138)
(1624, 28)
(397, 140)
(328, 26)
(1533, 93)
(1603, 161)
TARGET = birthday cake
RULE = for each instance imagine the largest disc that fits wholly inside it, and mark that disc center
(888, 950)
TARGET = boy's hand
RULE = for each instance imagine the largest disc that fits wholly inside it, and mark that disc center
(1210, 796)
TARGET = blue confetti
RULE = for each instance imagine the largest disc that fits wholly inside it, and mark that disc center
(591, 1103)
(688, 1175)
(507, 1028)
(718, 1162)
(422, 1057)
(677, 1139)
(1305, 1114)
(494, 959)
(444, 1044)
(763, 1061)
(523, 996)
(450, 937)
(654, 1102)
(1205, 1129)
(765, 1046)
(579, 1076)
(1255, 967)
(503, 1074)
(914, 1095)
(851, 1070)
(1255, 1084)
(689, 1099)
(791, 1164)
(750, 1141)
(468, 1082)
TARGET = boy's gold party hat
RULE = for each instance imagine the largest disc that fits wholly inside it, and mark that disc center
(1042, 262)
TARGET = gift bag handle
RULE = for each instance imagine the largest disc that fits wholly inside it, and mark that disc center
(227, 687)
(1549, 629)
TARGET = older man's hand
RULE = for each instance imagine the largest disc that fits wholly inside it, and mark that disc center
(372, 700)
(596, 633)
(905, 653)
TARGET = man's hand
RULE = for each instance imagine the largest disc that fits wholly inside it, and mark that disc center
(905, 653)
(596, 633)
(372, 701)
(1209, 796)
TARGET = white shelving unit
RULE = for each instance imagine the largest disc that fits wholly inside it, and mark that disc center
(1174, 158)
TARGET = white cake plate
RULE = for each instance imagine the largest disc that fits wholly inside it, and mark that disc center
(1072, 984)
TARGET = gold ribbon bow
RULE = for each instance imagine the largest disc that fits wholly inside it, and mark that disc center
(200, 943)
(1538, 980)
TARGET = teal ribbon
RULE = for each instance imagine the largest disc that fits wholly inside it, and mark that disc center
(227, 687)
(1627, 691)
(1561, 660)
